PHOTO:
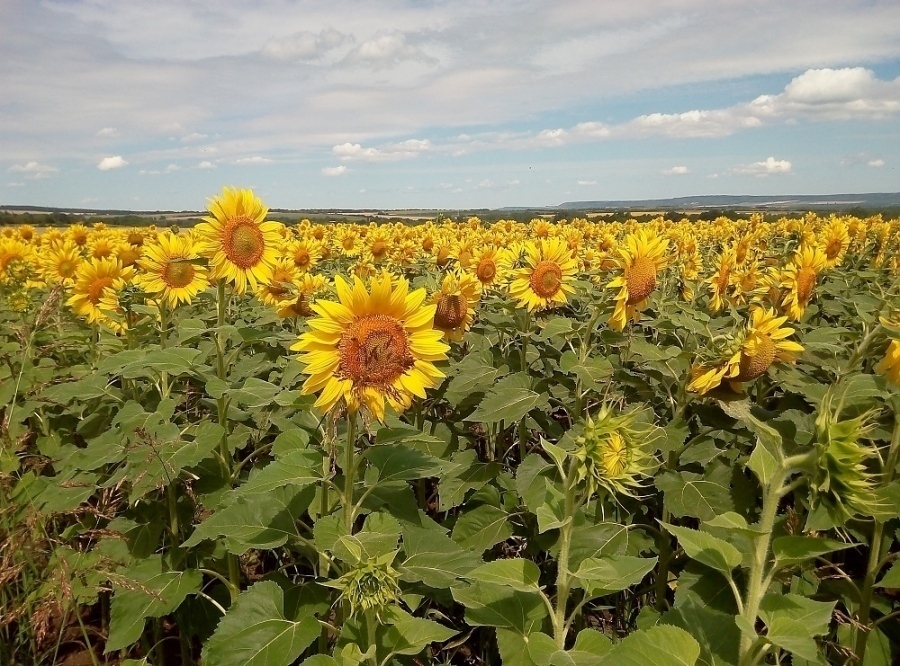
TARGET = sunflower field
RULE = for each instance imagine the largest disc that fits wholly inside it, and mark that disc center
(569, 443)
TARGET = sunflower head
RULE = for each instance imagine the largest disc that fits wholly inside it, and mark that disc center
(455, 304)
(547, 278)
(642, 256)
(839, 482)
(611, 452)
(370, 585)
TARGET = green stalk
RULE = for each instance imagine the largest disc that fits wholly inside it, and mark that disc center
(370, 635)
(163, 334)
(234, 569)
(350, 473)
(523, 429)
(756, 590)
(563, 575)
(876, 548)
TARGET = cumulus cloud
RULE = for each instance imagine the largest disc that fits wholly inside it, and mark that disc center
(876, 163)
(256, 159)
(679, 170)
(108, 132)
(112, 162)
(339, 170)
(206, 165)
(34, 170)
(769, 166)
(387, 153)
(305, 45)
(193, 136)
(587, 182)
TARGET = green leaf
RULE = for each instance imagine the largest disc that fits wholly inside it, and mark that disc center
(763, 461)
(480, 528)
(690, 494)
(156, 593)
(255, 393)
(790, 550)
(659, 645)
(814, 616)
(298, 468)
(509, 401)
(613, 573)
(409, 635)
(706, 549)
(589, 645)
(396, 462)
(490, 605)
(891, 579)
(434, 559)
(517, 573)
(717, 633)
(256, 632)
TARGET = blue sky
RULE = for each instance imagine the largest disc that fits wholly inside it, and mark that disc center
(444, 104)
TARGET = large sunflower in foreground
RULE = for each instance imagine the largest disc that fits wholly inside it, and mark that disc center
(546, 280)
(241, 246)
(799, 279)
(455, 302)
(97, 283)
(371, 348)
(749, 355)
(642, 256)
(168, 272)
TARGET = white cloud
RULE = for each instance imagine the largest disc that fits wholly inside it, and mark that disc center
(256, 159)
(679, 170)
(34, 170)
(769, 166)
(305, 45)
(587, 182)
(388, 49)
(14, 184)
(339, 170)
(876, 163)
(206, 165)
(108, 131)
(113, 162)
(172, 167)
(192, 137)
(387, 153)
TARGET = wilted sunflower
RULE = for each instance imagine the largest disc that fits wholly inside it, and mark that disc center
(611, 452)
(455, 304)
(642, 256)
(748, 355)
(97, 281)
(547, 278)
(371, 348)
(799, 279)
(169, 271)
(240, 245)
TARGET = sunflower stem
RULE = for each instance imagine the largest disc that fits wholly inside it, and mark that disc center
(523, 429)
(563, 575)
(350, 473)
(163, 334)
(876, 547)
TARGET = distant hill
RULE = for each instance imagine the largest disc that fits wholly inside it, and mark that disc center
(788, 202)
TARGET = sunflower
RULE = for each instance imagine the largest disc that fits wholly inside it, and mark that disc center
(748, 355)
(371, 347)
(240, 245)
(298, 306)
(346, 239)
(281, 285)
(14, 252)
(97, 281)
(721, 279)
(547, 277)
(834, 240)
(799, 279)
(168, 270)
(642, 256)
(305, 254)
(58, 263)
(488, 265)
(889, 366)
(456, 304)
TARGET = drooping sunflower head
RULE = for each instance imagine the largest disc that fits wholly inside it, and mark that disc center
(170, 270)
(799, 279)
(641, 257)
(371, 348)
(839, 481)
(238, 241)
(611, 452)
(546, 279)
(455, 304)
